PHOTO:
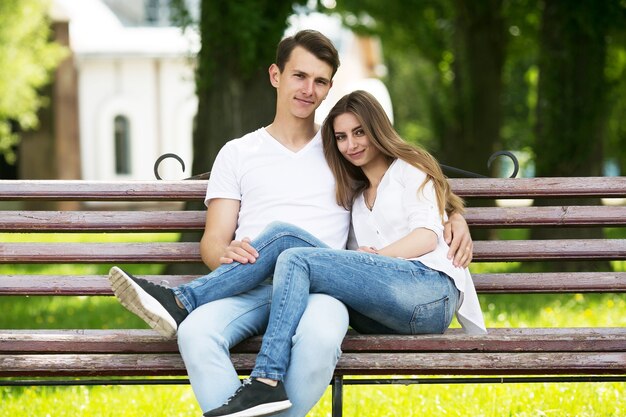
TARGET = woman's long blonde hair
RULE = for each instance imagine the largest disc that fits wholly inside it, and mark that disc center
(351, 180)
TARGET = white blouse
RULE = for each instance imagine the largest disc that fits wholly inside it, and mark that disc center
(400, 209)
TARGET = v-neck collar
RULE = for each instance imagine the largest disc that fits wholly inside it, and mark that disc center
(288, 151)
(383, 181)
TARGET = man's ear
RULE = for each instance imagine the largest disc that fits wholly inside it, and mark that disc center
(274, 72)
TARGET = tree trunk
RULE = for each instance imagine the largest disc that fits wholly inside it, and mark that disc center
(571, 103)
(234, 93)
(480, 46)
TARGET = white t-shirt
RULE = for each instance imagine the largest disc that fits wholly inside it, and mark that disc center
(274, 183)
(400, 209)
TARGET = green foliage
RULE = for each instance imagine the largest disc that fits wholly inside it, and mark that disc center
(27, 57)
(240, 36)
(417, 38)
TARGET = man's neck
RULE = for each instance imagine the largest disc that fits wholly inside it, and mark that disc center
(292, 133)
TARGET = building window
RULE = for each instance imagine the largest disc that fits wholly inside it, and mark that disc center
(157, 13)
(122, 145)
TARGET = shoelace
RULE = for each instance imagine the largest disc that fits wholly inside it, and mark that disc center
(246, 381)
(151, 284)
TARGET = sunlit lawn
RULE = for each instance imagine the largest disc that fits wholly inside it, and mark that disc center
(544, 399)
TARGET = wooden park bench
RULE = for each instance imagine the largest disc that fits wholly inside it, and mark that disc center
(41, 357)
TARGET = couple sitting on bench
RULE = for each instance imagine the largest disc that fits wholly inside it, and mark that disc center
(401, 277)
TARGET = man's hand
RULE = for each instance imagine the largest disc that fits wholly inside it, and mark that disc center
(240, 251)
(456, 234)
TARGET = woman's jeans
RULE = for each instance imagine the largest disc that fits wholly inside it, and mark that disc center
(383, 294)
(236, 278)
(206, 336)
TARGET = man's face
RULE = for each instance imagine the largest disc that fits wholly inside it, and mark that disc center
(303, 84)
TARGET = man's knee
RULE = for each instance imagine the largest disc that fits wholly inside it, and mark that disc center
(196, 334)
(323, 324)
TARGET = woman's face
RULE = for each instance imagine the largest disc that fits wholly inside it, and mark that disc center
(352, 141)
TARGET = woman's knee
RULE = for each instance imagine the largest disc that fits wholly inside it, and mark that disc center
(293, 256)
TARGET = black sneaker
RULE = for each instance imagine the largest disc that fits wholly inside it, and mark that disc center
(253, 398)
(155, 304)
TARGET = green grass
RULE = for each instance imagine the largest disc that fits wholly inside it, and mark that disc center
(492, 400)
(538, 310)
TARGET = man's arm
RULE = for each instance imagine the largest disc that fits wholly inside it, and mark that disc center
(456, 234)
(217, 245)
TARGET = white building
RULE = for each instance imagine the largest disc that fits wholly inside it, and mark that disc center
(135, 87)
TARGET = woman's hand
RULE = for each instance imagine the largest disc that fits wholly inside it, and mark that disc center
(456, 234)
(367, 249)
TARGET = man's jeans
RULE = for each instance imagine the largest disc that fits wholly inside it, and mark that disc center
(213, 327)
(236, 278)
(387, 295)
(207, 334)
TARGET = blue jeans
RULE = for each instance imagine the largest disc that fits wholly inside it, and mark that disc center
(216, 324)
(207, 334)
(387, 295)
(236, 278)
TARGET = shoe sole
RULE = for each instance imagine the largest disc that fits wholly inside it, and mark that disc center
(139, 302)
(262, 410)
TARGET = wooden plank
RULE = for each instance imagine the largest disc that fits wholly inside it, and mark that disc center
(555, 282)
(350, 363)
(101, 221)
(550, 282)
(74, 285)
(503, 250)
(540, 187)
(117, 253)
(609, 339)
(79, 190)
(162, 221)
(566, 249)
(482, 363)
(195, 190)
(570, 216)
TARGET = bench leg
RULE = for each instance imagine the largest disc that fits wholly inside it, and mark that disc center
(337, 396)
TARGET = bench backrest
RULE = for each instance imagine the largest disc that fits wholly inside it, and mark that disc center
(93, 216)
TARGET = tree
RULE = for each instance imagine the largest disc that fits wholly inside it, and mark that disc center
(238, 43)
(573, 95)
(27, 57)
(445, 68)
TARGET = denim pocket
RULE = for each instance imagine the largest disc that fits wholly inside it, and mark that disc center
(431, 318)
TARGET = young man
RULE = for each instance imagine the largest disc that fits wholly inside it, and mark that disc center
(276, 173)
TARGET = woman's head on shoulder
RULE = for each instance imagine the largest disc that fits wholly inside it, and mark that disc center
(370, 121)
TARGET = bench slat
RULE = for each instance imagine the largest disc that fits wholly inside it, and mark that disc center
(502, 217)
(570, 282)
(539, 187)
(609, 339)
(101, 221)
(349, 363)
(161, 221)
(504, 250)
(80, 190)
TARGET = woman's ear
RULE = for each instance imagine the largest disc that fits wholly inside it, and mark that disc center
(274, 72)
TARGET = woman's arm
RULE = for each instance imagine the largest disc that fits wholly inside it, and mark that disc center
(417, 243)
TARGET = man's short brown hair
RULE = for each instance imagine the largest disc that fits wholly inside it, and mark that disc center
(314, 42)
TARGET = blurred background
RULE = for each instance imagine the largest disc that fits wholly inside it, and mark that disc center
(98, 89)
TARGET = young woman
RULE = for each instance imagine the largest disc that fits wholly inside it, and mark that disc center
(398, 281)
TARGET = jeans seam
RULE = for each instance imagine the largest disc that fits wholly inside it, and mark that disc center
(266, 356)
